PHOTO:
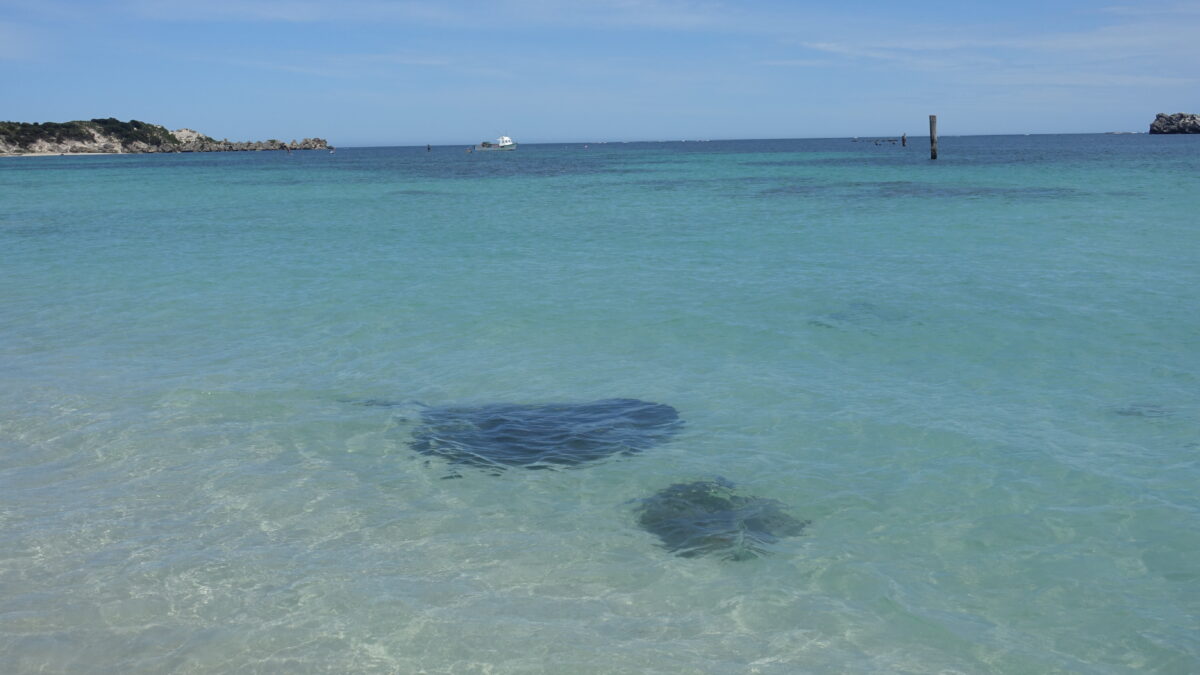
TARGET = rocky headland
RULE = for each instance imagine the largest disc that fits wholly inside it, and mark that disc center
(114, 136)
(1179, 123)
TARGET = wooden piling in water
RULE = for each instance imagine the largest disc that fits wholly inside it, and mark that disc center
(933, 137)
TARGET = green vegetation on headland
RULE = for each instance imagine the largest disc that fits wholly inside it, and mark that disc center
(113, 135)
(25, 133)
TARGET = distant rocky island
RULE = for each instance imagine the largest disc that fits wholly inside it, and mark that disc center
(1179, 123)
(112, 135)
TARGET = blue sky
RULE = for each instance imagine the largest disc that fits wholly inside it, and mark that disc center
(377, 72)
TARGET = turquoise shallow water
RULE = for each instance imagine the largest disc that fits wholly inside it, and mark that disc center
(976, 377)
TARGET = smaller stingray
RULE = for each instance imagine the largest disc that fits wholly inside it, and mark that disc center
(543, 436)
(709, 518)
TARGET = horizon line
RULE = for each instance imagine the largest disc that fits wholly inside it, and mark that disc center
(792, 138)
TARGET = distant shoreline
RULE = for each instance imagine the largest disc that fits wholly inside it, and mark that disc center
(59, 154)
(112, 136)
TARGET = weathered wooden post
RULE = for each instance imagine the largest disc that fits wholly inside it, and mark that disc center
(933, 137)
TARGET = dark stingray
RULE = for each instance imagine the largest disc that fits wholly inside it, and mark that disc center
(543, 436)
(709, 518)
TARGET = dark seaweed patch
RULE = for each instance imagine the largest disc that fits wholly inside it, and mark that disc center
(780, 162)
(865, 316)
(899, 189)
(728, 184)
(1144, 410)
(414, 192)
(857, 161)
(796, 188)
(30, 229)
(709, 518)
(671, 184)
(887, 189)
(378, 402)
(543, 436)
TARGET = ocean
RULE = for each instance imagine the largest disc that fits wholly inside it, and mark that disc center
(239, 393)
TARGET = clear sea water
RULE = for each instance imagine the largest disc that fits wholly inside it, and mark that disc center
(978, 378)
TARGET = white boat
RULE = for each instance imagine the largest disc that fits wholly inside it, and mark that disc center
(502, 143)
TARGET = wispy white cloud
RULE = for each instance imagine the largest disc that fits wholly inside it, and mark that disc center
(1139, 38)
(676, 15)
(797, 63)
(940, 58)
(1148, 36)
(1084, 79)
(294, 11)
(338, 66)
(665, 14)
(1157, 9)
(391, 59)
(1123, 42)
(1127, 49)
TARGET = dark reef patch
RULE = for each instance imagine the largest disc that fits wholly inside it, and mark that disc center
(415, 192)
(797, 186)
(543, 436)
(1144, 410)
(781, 162)
(731, 185)
(709, 518)
(890, 189)
(900, 189)
(379, 402)
(863, 316)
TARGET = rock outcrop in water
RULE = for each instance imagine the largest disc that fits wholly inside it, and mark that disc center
(543, 436)
(1179, 123)
(112, 135)
(710, 518)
